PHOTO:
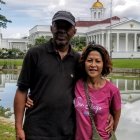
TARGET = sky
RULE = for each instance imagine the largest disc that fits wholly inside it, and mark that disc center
(25, 14)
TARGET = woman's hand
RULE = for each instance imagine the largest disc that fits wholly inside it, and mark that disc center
(110, 122)
(29, 103)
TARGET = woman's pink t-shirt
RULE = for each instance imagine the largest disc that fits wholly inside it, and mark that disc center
(103, 100)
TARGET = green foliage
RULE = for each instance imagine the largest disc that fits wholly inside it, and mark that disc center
(11, 53)
(29, 46)
(5, 112)
(41, 40)
(78, 43)
(3, 19)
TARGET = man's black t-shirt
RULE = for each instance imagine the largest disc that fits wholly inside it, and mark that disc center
(50, 81)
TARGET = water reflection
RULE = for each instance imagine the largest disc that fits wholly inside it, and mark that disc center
(7, 92)
(129, 125)
(129, 86)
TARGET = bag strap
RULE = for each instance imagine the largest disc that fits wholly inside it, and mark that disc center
(96, 135)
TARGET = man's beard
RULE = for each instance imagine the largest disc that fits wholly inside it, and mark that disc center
(61, 43)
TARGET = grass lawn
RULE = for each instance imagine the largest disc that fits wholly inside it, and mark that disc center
(7, 131)
(126, 63)
(117, 63)
(17, 62)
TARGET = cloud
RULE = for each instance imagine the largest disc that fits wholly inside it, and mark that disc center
(62, 3)
(125, 8)
(131, 112)
(16, 35)
(15, 32)
(28, 13)
(35, 8)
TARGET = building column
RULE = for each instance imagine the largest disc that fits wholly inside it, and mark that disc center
(134, 85)
(92, 38)
(108, 42)
(135, 42)
(117, 83)
(96, 39)
(102, 39)
(99, 39)
(118, 41)
(125, 87)
(126, 42)
(86, 40)
(89, 38)
(138, 40)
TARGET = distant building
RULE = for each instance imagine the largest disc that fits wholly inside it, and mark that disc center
(38, 31)
(10, 43)
(121, 37)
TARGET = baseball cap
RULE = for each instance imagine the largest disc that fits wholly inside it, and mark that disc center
(64, 15)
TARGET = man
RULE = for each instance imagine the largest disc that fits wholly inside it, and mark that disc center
(48, 71)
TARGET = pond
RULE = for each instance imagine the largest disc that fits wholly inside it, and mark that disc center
(129, 86)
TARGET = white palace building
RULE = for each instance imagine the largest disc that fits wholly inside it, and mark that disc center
(121, 37)
(10, 43)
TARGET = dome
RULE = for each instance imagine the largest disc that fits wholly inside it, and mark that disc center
(97, 5)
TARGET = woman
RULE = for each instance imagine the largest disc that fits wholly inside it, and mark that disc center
(105, 97)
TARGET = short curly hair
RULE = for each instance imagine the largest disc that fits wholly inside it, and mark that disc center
(107, 63)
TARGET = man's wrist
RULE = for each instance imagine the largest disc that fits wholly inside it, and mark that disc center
(18, 127)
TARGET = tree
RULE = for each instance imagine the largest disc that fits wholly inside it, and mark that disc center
(78, 43)
(3, 19)
(41, 40)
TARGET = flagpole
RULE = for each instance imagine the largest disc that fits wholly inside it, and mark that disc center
(111, 47)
